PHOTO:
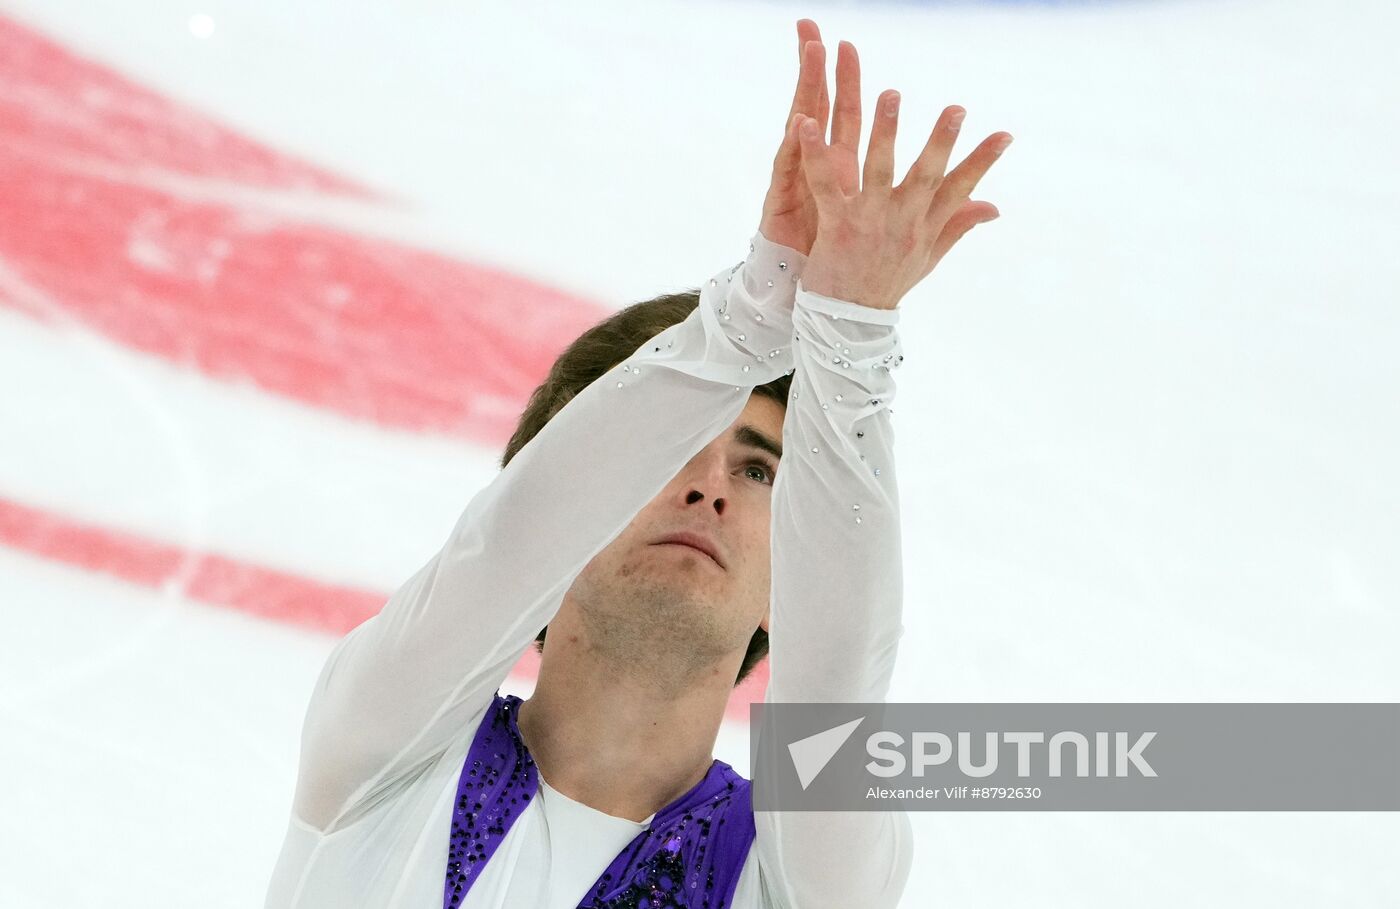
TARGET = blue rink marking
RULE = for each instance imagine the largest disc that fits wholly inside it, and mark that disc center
(967, 3)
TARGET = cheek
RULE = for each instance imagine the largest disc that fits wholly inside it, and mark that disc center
(758, 556)
(604, 562)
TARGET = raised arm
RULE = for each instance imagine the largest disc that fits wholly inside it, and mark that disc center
(837, 567)
(401, 687)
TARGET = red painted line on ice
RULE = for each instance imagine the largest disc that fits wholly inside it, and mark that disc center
(220, 581)
(213, 579)
(356, 325)
(364, 327)
(371, 329)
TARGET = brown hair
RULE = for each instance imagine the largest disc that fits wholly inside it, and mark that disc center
(598, 350)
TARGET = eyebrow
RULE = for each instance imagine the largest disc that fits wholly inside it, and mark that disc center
(747, 435)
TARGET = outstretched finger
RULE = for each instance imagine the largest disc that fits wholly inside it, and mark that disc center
(789, 156)
(928, 169)
(807, 32)
(879, 159)
(964, 219)
(818, 166)
(811, 79)
(823, 111)
(845, 117)
(963, 179)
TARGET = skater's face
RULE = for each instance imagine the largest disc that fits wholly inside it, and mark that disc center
(675, 594)
(724, 495)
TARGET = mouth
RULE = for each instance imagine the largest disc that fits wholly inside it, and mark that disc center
(691, 541)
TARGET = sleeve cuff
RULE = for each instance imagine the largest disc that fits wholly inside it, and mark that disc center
(772, 269)
(844, 309)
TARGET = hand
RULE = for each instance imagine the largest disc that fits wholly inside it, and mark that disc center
(874, 242)
(789, 212)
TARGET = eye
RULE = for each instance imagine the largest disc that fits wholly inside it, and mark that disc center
(764, 467)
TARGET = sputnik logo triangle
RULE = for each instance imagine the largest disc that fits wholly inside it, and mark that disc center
(813, 753)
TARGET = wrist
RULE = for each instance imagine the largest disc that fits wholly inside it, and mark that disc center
(783, 232)
(839, 284)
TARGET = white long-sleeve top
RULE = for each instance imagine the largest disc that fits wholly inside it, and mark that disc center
(396, 705)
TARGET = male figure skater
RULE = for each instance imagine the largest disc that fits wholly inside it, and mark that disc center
(642, 516)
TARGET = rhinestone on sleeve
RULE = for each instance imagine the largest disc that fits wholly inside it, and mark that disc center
(845, 354)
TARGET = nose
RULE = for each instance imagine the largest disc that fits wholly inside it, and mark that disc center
(706, 481)
(695, 495)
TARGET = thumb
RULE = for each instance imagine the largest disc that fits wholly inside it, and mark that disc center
(817, 164)
(789, 157)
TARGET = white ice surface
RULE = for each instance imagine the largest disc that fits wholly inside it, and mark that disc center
(1154, 405)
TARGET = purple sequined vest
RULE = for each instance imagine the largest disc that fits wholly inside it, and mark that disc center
(690, 855)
